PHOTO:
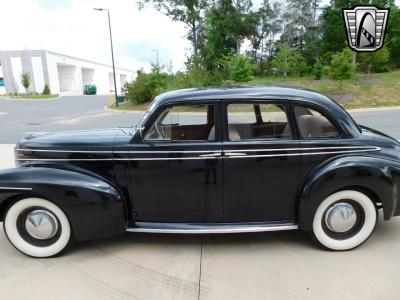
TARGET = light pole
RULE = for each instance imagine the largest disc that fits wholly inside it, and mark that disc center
(112, 52)
(158, 66)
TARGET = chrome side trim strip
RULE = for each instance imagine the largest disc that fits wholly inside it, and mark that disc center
(232, 155)
(194, 151)
(15, 188)
(115, 159)
(302, 149)
(304, 154)
(66, 151)
(116, 152)
(211, 229)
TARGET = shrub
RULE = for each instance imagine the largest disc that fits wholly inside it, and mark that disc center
(239, 67)
(146, 86)
(342, 66)
(318, 69)
(46, 90)
(25, 81)
(375, 61)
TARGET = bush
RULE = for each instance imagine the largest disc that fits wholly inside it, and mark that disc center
(46, 90)
(239, 67)
(375, 61)
(318, 70)
(146, 86)
(342, 66)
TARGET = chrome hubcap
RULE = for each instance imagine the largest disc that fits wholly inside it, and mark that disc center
(340, 217)
(41, 224)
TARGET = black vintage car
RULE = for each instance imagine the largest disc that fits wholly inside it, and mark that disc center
(224, 160)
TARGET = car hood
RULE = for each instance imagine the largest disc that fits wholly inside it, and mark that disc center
(100, 139)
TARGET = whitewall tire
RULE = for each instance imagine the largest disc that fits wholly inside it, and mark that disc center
(344, 220)
(37, 227)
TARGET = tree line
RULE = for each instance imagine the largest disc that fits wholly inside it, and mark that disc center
(234, 40)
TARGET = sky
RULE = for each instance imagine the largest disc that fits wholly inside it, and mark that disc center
(72, 27)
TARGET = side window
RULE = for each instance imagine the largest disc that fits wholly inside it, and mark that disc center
(314, 124)
(183, 123)
(257, 121)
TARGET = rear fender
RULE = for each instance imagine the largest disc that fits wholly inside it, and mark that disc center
(378, 177)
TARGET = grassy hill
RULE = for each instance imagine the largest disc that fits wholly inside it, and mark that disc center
(363, 91)
(380, 89)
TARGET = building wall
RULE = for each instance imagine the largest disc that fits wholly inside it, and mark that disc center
(63, 74)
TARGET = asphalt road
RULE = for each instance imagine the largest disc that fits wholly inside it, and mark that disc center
(88, 112)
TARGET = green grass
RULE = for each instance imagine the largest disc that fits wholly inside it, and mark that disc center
(32, 96)
(379, 90)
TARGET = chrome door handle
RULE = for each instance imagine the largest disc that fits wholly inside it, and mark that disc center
(219, 154)
(235, 154)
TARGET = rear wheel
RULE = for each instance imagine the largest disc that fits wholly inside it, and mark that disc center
(344, 220)
(37, 227)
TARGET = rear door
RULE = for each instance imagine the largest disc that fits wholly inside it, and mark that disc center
(261, 162)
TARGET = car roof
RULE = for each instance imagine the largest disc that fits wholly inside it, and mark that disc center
(244, 92)
(273, 92)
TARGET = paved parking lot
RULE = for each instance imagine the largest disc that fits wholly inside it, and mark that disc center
(276, 265)
(88, 112)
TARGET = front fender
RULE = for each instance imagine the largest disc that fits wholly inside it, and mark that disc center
(93, 206)
(378, 176)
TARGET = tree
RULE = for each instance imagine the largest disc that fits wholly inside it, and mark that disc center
(392, 39)
(269, 24)
(341, 66)
(288, 59)
(25, 81)
(375, 61)
(146, 86)
(298, 17)
(46, 90)
(239, 67)
(190, 12)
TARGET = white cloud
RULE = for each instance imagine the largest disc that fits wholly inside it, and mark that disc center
(72, 27)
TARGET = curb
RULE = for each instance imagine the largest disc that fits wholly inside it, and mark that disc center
(25, 99)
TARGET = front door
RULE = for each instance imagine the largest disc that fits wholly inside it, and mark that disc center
(261, 162)
(176, 175)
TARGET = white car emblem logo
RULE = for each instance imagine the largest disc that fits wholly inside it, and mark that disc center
(366, 26)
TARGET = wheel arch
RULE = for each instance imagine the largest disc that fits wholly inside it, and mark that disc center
(375, 177)
(95, 208)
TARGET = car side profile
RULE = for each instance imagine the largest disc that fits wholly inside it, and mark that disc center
(202, 161)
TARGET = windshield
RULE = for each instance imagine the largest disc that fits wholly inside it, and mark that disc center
(147, 113)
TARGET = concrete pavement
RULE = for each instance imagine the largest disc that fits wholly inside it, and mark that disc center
(275, 265)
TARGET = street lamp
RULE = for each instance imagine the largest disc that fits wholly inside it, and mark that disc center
(112, 53)
(157, 57)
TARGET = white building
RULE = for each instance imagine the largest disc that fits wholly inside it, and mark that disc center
(65, 75)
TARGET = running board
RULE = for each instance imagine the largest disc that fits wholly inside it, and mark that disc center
(196, 228)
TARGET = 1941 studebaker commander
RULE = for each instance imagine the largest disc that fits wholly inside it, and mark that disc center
(224, 160)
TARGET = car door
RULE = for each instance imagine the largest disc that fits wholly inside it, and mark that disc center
(320, 136)
(177, 174)
(261, 162)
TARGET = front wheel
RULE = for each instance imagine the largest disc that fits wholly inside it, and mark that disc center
(344, 220)
(37, 227)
